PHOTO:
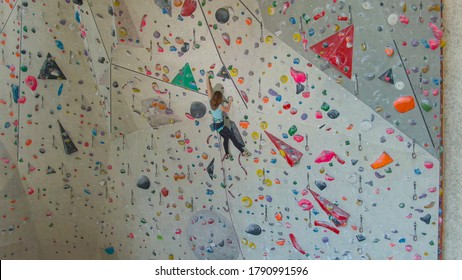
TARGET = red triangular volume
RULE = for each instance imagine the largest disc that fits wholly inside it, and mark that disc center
(336, 215)
(291, 154)
(338, 50)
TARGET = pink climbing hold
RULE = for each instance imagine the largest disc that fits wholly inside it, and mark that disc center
(285, 6)
(434, 44)
(22, 100)
(306, 94)
(305, 43)
(404, 19)
(159, 48)
(189, 7)
(299, 138)
(327, 156)
(189, 116)
(305, 204)
(244, 96)
(143, 23)
(329, 178)
(226, 38)
(298, 76)
(31, 82)
(438, 33)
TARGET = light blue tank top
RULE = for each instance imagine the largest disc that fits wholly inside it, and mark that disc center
(217, 114)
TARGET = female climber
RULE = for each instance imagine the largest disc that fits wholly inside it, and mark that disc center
(216, 100)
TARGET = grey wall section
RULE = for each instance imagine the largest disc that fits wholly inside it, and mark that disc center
(377, 27)
(452, 247)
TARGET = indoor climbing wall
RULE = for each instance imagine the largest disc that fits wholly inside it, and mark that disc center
(338, 102)
(53, 136)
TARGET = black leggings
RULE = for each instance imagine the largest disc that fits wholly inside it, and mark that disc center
(227, 134)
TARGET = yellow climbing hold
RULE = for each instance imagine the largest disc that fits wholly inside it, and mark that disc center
(234, 72)
(284, 79)
(260, 173)
(246, 201)
(269, 39)
(123, 31)
(271, 11)
(255, 135)
(263, 125)
(297, 38)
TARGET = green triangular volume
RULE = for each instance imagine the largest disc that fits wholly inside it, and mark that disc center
(185, 78)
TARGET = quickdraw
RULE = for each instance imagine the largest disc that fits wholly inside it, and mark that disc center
(240, 164)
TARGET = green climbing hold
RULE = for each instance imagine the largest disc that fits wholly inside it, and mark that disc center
(199, 23)
(426, 105)
(325, 106)
(292, 130)
(24, 68)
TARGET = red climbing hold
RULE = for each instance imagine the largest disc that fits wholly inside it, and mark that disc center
(189, 7)
(336, 215)
(295, 243)
(338, 50)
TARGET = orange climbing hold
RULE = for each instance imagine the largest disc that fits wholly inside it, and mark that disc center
(244, 124)
(278, 216)
(404, 104)
(383, 160)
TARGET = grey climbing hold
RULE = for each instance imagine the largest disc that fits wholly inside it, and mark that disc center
(222, 15)
(320, 184)
(198, 109)
(253, 229)
(143, 182)
(426, 219)
(333, 114)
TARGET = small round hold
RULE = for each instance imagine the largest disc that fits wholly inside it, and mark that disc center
(365, 125)
(393, 19)
(367, 5)
(399, 85)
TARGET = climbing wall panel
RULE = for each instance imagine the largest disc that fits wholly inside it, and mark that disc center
(343, 165)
